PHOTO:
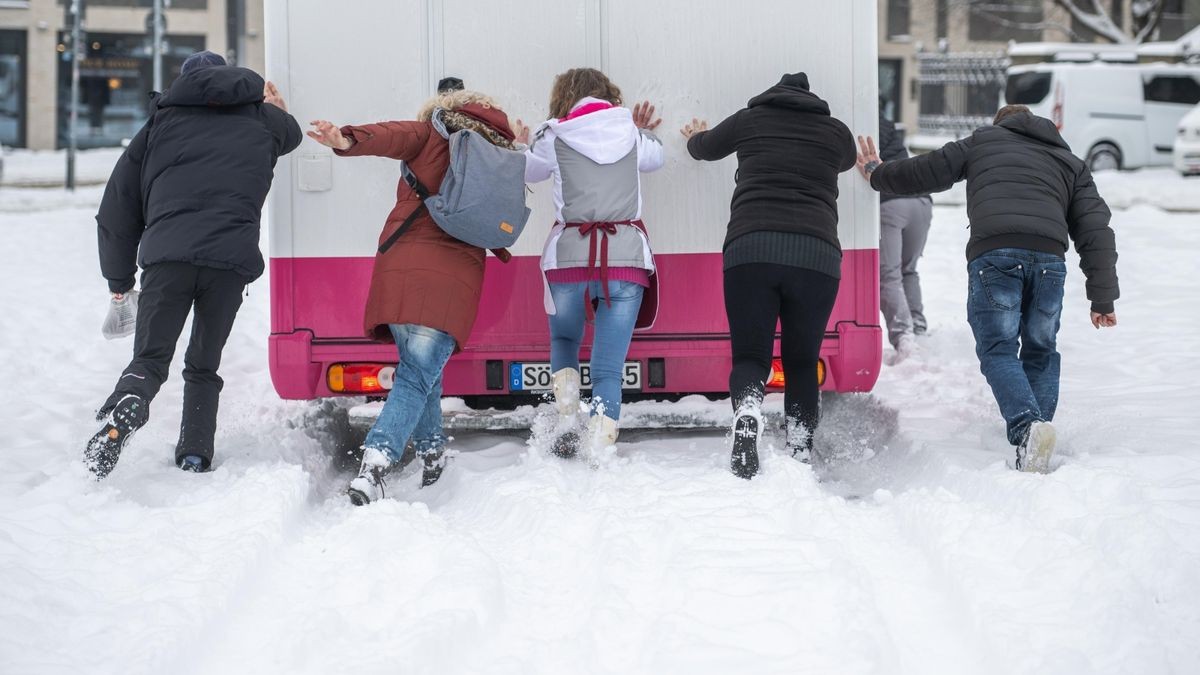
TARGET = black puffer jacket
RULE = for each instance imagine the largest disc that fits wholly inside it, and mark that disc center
(1024, 190)
(191, 185)
(790, 151)
(891, 148)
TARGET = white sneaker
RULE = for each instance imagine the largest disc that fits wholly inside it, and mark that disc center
(368, 486)
(1033, 455)
(601, 435)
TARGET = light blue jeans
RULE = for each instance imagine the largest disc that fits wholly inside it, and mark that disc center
(1014, 304)
(614, 330)
(414, 405)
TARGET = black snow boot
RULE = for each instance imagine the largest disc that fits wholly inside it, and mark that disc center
(432, 463)
(104, 449)
(744, 459)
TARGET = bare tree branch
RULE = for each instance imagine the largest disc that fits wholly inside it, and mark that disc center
(1097, 20)
(1147, 18)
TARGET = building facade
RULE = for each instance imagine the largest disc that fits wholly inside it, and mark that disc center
(117, 72)
(978, 32)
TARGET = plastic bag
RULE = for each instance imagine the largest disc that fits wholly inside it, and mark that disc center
(122, 314)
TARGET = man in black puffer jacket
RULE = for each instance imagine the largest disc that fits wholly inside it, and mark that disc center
(782, 258)
(184, 201)
(1028, 197)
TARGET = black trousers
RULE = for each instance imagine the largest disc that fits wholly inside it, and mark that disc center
(757, 296)
(169, 292)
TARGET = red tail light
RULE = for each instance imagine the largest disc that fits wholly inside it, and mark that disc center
(776, 381)
(360, 378)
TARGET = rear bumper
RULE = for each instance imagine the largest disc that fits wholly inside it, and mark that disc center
(697, 364)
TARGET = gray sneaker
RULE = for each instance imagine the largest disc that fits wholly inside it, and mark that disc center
(368, 486)
(1033, 454)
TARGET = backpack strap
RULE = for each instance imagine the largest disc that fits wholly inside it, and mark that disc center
(423, 193)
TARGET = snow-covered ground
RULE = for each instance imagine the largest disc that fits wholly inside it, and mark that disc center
(920, 552)
(48, 168)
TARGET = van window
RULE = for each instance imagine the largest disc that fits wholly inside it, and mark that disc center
(1173, 89)
(1027, 88)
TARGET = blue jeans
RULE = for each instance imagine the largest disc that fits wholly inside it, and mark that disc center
(1014, 304)
(614, 330)
(414, 405)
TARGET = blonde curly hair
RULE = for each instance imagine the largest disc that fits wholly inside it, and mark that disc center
(453, 100)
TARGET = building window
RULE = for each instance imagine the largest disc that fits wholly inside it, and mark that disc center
(943, 19)
(1178, 18)
(115, 79)
(12, 88)
(1001, 21)
(899, 15)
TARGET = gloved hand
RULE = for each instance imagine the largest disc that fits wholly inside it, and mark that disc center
(122, 312)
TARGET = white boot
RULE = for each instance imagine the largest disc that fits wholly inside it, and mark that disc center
(368, 486)
(566, 392)
(602, 434)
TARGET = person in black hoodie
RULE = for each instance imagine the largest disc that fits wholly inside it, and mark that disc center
(1028, 197)
(782, 257)
(903, 229)
(184, 202)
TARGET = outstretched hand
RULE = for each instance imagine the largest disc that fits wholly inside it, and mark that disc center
(1104, 320)
(694, 127)
(866, 155)
(329, 135)
(271, 95)
(643, 113)
(520, 132)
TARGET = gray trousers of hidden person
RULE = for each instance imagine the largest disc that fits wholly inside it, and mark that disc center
(903, 229)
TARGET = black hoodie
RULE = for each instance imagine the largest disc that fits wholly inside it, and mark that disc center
(1025, 189)
(790, 152)
(191, 185)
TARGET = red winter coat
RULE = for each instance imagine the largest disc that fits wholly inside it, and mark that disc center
(427, 277)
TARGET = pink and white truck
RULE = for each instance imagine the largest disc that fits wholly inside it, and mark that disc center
(374, 60)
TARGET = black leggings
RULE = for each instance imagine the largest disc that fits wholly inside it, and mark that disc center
(801, 300)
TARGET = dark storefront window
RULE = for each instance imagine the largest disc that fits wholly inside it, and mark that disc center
(890, 71)
(12, 88)
(114, 84)
(943, 19)
(1178, 18)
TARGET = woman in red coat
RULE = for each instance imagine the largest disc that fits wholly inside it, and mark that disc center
(425, 287)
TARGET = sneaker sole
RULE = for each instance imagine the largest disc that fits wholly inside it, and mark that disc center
(743, 462)
(566, 446)
(1041, 447)
(104, 450)
(358, 497)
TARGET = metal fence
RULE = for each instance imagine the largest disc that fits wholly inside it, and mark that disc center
(959, 92)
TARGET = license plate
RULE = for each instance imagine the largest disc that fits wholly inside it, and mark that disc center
(537, 377)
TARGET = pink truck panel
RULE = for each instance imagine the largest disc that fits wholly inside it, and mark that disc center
(317, 313)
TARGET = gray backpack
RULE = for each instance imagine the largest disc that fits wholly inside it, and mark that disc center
(482, 201)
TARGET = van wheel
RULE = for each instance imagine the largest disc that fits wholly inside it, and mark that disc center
(1104, 157)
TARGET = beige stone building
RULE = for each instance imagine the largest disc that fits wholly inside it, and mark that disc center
(117, 71)
(908, 28)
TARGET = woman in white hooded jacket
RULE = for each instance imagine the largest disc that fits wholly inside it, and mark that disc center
(597, 260)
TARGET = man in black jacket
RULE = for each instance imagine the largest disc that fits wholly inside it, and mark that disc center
(184, 201)
(903, 229)
(1027, 198)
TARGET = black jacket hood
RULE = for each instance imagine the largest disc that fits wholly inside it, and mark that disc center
(792, 92)
(1037, 128)
(214, 86)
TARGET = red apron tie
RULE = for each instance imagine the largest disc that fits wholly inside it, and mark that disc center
(600, 231)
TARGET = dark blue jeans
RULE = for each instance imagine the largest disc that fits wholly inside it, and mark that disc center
(1014, 304)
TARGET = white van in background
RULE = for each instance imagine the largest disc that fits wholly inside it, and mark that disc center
(1187, 144)
(1114, 116)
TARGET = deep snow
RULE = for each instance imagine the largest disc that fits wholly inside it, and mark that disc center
(918, 553)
